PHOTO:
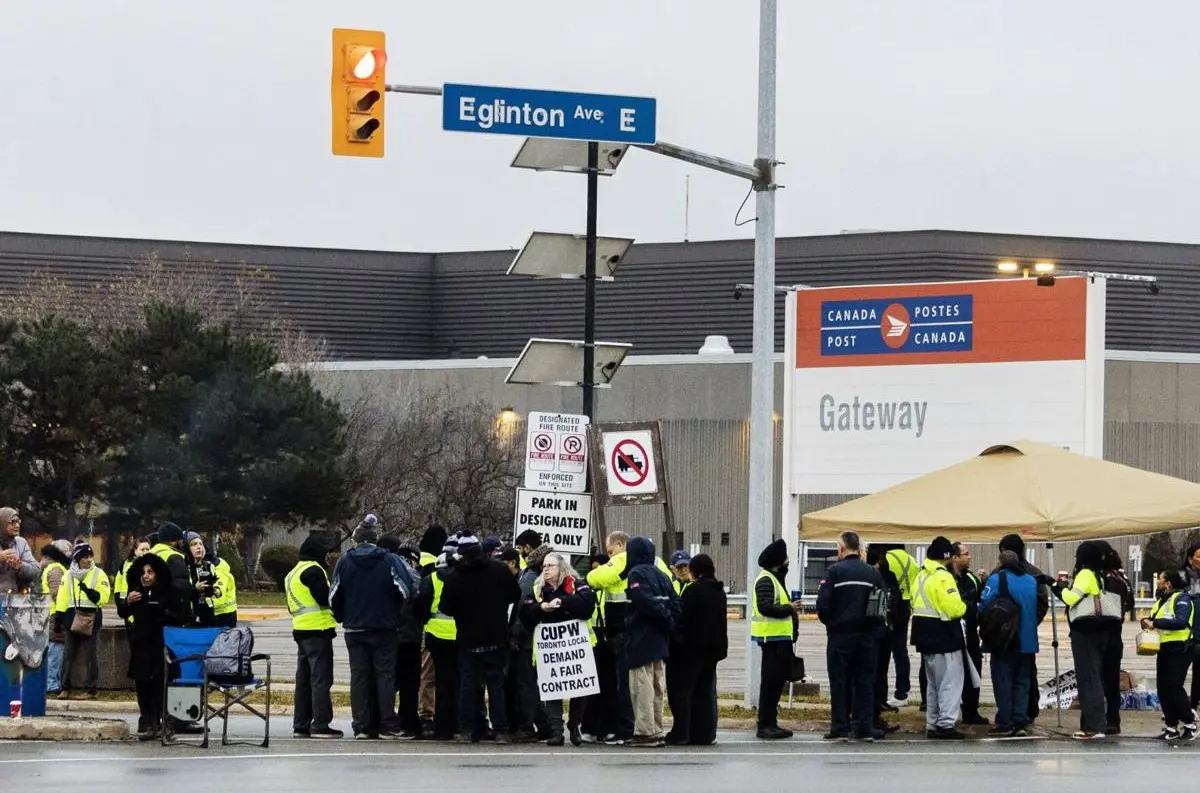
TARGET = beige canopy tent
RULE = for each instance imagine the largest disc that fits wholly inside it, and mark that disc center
(1041, 492)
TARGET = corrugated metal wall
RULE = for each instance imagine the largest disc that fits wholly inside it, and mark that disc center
(666, 298)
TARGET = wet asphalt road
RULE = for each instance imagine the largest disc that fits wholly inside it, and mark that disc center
(737, 763)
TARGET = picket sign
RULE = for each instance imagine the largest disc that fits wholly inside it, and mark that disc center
(566, 666)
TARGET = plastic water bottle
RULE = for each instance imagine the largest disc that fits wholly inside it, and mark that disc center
(1152, 700)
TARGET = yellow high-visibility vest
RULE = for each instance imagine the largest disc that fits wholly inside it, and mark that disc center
(1166, 610)
(770, 629)
(307, 615)
(440, 626)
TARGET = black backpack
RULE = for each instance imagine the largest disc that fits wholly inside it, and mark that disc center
(1000, 624)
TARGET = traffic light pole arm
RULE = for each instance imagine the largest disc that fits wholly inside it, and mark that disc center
(761, 173)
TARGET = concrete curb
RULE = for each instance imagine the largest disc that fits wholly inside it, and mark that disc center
(63, 728)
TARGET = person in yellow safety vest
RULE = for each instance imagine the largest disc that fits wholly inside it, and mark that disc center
(441, 640)
(1173, 616)
(168, 545)
(681, 573)
(225, 601)
(609, 581)
(141, 546)
(1091, 634)
(558, 596)
(773, 627)
(430, 546)
(306, 589)
(56, 558)
(938, 635)
(905, 568)
(81, 597)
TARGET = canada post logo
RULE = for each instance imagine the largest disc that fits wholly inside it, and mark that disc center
(902, 325)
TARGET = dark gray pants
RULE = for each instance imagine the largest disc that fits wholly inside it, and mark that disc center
(88, 646)
(314, 679)
(530, 712)
(372, 681)
(1089, 649)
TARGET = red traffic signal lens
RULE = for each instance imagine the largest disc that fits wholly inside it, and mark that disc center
(364, 63)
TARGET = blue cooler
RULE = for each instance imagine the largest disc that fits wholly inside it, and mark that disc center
(16, 680)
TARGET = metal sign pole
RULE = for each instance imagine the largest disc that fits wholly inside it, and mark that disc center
(589, 279)
(762, 386)
(1054, 640)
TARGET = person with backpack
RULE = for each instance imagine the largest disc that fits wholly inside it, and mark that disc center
(851, 604)
(1008, 629)
(654, 608)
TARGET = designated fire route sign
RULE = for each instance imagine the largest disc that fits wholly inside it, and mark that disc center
(630, 470)
(556, 456)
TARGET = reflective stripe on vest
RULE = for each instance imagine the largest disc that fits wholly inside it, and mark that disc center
(1165, 609)
(905, 563)
(440, 626)
(307, 615)
(227, 602)
(770, 629)
(921, 605)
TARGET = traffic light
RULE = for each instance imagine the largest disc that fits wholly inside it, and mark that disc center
(357, 88)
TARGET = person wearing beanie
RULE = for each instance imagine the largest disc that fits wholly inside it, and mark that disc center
(18, 569)
(367, 596)
(1011, 663)
(56, 560)
(1015, 544)
(937, 631)
(314, 628)
(78, 611)
(773, 628)
(432, 542)
(408, 646)
(202, 579)
(478, 594)
(430, 547)
(169, 548)
(491, 545)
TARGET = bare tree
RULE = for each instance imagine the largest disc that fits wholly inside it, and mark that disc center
(433, 461)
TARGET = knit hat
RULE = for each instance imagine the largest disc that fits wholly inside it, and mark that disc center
(773, 555)
(190, 536)
(940, 549)
(368, 530)
(1014, 543)
(169, 533)
(433, 540)
(82, 550)
(491, 544)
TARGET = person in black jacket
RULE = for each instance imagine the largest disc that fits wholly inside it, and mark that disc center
(653, 609)
(408, 649)
(877, 558)
(851, 649)
(970, 588)
(477, 594)
(771, 601)
(701, 641)
(313, 712)
(367, 596)
(152, 605)
(557, 595)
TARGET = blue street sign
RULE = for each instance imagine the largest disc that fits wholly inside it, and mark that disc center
(548, 114)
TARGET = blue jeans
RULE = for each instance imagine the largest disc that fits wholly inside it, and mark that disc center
(478, 670)
(54, 655)
(1010, 682)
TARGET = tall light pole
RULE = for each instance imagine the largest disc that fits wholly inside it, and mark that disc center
(762, 373)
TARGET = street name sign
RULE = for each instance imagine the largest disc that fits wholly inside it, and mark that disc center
(533, 113)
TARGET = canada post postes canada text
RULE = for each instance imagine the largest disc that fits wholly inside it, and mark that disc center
(943, 323)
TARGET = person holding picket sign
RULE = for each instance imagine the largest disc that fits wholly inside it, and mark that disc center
(558, 596)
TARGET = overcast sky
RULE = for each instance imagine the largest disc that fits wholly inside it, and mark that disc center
(210, 120)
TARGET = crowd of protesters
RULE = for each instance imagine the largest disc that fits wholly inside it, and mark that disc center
(440, 636)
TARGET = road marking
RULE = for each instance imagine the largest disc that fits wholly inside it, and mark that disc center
(624, 756)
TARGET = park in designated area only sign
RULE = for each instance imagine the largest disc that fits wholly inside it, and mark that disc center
(630, 462)
(556, 452)
(563, 519)
(566, 665)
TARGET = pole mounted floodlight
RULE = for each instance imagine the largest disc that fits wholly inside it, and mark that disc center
(560, 362)
(552, 255)
(568, 156)
(1047, 271)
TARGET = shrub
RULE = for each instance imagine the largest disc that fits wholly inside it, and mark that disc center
(278, 560)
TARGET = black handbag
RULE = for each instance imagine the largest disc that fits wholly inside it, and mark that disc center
(796, 671)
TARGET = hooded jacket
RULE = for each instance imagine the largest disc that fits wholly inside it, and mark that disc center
(369, 588)
(703, 630)
(158, 607)
(25, 576)
(477, 594)
(653, 606)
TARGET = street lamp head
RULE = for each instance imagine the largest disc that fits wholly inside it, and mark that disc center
(1008, 266)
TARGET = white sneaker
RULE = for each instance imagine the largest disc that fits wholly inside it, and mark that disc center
(1168, 734)
(589, 738)
(897, 702)
(1089, 736)
(1188, 732)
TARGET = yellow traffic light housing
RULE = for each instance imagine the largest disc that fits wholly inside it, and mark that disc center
(357, 88)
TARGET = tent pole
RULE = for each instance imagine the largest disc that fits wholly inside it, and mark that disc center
(1054, 639)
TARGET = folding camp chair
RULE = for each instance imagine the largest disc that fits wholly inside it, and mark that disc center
(186, 688)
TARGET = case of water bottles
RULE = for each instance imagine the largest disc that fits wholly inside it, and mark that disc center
(1139, 699)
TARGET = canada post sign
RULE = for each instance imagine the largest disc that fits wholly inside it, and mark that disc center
(942, 323)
